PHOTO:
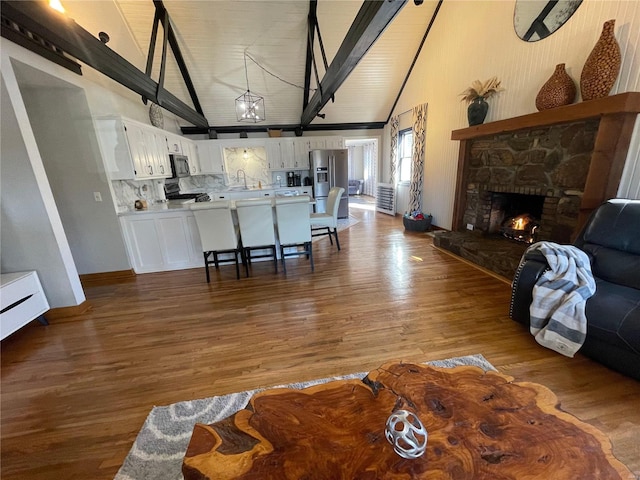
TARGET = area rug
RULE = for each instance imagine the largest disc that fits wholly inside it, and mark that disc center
(343, 223)
(346, 223)
(162, 442)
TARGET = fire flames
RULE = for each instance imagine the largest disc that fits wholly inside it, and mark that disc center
(521, 228)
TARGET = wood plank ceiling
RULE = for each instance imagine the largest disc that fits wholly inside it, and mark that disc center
(214, 36)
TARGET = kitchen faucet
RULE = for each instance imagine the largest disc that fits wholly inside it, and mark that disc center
(244, 175)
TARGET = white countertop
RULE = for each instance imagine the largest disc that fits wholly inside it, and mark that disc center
(180, 205)
(232, 193)
(170, 206)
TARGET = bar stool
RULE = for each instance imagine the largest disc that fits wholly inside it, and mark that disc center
(218, 234)
(327, 221)
(255, 217)
(294, 228)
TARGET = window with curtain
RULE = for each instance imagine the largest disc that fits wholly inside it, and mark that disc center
(405, 150)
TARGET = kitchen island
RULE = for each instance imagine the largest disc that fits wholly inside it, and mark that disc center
(165, 236)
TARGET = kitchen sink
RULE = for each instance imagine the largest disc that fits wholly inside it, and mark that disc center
(242, 188)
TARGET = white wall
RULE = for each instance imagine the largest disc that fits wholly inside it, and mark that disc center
(92, 229)
(75, 170)
(476, 40)
(32, 237)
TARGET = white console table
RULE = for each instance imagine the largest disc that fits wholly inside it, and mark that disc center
(21, 301)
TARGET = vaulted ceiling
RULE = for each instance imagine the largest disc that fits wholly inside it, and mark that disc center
(217, 37)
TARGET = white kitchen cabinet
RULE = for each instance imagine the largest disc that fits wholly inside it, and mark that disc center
(196, 243)
(288, 154)
(323, 143)
(157, 161)
(174, 144)
(274, 158)
(334, 142)
(162, 164)
(137, 140)
(281, 154)
(131, 150)
(211, 157)
(161, 241)
(317, 143)
(175, 240)
(190, 150)
(304, 145)
(301, 151)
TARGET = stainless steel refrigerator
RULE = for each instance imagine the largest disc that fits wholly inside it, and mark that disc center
(330, 168)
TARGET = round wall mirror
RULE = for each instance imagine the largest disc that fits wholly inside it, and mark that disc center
(534, 20)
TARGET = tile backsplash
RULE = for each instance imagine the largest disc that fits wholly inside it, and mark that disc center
(126, 192)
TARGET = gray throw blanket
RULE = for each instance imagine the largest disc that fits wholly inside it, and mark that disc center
(557, 312)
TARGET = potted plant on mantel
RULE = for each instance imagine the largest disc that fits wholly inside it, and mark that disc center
(476, 96)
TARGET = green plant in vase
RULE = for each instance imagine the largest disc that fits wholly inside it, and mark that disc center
(476, 96)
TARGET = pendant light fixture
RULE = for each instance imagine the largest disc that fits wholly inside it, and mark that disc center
(249, 107)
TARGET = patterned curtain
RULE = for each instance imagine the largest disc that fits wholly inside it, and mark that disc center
(394, 122)
(370, 151)
(417, 160)
(352, 167)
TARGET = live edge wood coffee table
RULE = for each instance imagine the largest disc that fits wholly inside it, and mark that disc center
(480, 426)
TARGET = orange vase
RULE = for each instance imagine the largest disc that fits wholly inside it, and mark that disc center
(559, 90)
(603, 65)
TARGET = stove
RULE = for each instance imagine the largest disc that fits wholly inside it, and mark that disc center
(198, 197)
(172, 192)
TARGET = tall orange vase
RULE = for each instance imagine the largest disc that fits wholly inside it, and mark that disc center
(603, 65)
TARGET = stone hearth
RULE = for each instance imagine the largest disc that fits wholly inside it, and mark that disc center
(500, 255)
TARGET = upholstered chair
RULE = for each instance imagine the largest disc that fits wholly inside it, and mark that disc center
(218, 234)
(294, 228)
(255, 217)
(327, 223)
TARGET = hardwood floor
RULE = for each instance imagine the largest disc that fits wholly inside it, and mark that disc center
(75, 393)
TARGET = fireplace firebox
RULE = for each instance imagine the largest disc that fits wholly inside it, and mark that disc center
(516, 216)
(521, 228)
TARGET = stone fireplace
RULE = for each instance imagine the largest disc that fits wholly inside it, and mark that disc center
(553, 168)
(543, 170)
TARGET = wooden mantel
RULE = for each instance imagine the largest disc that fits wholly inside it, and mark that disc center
(617, 115)
(617, 104)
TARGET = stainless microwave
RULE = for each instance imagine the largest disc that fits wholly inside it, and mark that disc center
(179, 166)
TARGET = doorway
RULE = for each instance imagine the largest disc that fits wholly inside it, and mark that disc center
(363, 171)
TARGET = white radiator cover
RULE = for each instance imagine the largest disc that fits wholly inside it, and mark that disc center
(386, 199)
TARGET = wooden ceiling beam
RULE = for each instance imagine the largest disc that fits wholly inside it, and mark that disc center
(287, 128)
(312, 20)
(38, 18)
(177, 54)
(371, 20)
